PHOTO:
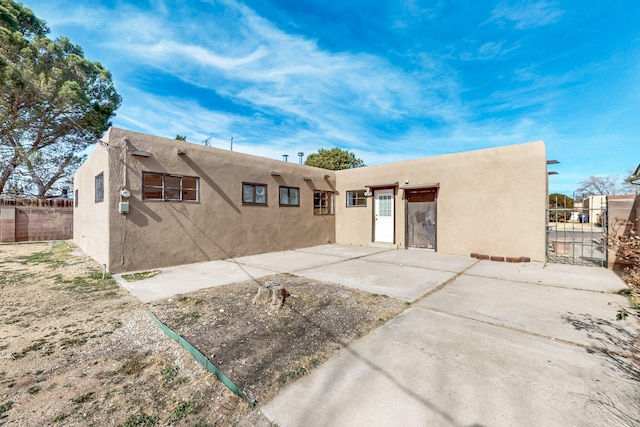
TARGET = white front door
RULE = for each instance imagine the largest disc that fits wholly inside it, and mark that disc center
(383, 210)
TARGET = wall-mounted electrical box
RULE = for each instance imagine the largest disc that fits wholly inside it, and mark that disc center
(123, 207)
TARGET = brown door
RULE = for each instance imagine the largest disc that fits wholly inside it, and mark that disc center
(421, 217)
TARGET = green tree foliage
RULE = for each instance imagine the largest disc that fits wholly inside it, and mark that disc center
(334, 159)
(560, 207)
(53, 102)
(181, 137)
(557, 200)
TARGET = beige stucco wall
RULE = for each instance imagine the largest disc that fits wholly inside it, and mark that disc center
(90, 219)
(156, 233)
(489, 201)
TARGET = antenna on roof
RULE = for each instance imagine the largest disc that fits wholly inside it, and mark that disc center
(231, 141)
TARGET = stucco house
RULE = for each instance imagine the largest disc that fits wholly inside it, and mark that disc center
(145, 202)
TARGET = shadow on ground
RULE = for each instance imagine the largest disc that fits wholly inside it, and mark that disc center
(619, 347)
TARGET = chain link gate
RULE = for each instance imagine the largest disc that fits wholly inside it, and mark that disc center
(577, 236)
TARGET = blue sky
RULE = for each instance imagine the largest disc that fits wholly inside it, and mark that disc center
(388, 80)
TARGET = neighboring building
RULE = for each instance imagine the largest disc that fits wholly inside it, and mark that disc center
(634, 179)
(595, 208)
(145, 202)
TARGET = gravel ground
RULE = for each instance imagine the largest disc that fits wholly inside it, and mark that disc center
(261, 350)
(77, 350)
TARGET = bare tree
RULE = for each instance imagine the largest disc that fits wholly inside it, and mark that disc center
(599, 185)
(632, 183)
(49, 165)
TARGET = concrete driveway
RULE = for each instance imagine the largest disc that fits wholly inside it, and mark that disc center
(483, 343)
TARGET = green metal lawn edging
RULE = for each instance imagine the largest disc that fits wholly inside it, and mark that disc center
(202, 359)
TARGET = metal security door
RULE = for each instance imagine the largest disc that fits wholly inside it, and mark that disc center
(421, 218)
(383, 210)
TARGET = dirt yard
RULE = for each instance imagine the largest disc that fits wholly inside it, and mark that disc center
(77, 349)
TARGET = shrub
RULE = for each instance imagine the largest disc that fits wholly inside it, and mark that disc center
(624, 240)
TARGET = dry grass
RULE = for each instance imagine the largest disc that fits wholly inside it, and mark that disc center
(77, 349)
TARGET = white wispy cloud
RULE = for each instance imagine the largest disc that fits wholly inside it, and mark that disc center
(285, 92)
(527, 13)
(330, 98)
(531, 87)
(489, 51)
(338, 95)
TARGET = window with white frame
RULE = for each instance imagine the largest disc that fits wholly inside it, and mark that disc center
(254, 194)
(356, 198)
(99, 181)
(170, 188)
(322, 202)
(289, 196)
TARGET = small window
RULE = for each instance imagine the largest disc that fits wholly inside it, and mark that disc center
(170, 188)
(356, 198)
(322, 202)
(254, 194)
(189, 189)
(100, 187)
(289, 196)
(75, 198)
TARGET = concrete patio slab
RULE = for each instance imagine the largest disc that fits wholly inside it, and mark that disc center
(428, 368)
(346, 251)
(550, 311)
(288, 261)
(424, 259)
(398, 281)
(568, 276)
(189, 278)
(500, 345)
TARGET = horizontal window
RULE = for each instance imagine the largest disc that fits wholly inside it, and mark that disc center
(170, 188)
(289, 196)
(322, 202)
(254, 194)
(356, 198)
